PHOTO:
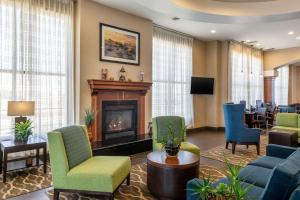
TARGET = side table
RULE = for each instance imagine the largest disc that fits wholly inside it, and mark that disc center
(167, 176)
(10, 146)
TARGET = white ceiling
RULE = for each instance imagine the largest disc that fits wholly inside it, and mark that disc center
(265, 21)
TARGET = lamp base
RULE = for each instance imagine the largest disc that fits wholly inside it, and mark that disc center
(20, 119)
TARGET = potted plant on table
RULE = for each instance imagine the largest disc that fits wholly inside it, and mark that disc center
(89, 119)
(23, 130)
(171, 142)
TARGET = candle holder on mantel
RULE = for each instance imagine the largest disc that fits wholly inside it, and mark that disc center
(123, 74)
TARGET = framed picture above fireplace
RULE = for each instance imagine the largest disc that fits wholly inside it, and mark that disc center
(119, 45)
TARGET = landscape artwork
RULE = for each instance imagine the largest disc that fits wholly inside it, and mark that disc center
(119, 45)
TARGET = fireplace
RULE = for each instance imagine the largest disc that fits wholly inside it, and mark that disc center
(119, 119)
(120, 109)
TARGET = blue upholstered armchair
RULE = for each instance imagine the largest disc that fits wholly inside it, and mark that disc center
(236, 132)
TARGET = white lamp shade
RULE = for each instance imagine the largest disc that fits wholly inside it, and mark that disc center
(20, 108)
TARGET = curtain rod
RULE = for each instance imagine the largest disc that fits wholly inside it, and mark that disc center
(248, 45)
(172, 30)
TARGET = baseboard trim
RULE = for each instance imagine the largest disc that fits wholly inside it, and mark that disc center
(205, 128)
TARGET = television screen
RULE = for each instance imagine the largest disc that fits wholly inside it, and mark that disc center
(202, 85)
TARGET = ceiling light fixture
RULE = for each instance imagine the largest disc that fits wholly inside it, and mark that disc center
(213, 31)
(291, 33)
(175, 18)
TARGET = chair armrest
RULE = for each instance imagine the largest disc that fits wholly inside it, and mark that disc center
(279, 150)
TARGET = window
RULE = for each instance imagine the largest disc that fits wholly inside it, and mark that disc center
(172, 71)
(36, 61)
(245, 74)
(281, 86)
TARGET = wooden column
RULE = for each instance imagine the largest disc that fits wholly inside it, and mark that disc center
(115, 91)
(268, 88)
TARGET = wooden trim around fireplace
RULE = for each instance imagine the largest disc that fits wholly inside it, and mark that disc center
(102, 90)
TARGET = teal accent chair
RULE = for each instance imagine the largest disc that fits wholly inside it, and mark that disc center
(160, 130)
(75, 169)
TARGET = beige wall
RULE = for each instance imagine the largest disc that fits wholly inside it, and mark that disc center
(273, 59)
(208, 110)
(294, 83)
(199, 66)
(217, 67)
(209, 59)
(88, 15)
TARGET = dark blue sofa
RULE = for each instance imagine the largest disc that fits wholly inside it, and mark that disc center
(275, 176)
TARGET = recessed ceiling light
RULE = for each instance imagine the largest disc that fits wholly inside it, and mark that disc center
(291, 33)
(175, 18)
(213, 31)
(298, 38)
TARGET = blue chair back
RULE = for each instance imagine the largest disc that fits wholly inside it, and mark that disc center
(234, 120)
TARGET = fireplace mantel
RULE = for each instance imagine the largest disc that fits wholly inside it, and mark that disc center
(98, 85)
(103, 90)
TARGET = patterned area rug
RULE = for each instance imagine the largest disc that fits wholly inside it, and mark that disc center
(24, 181)
(242, 155)
(29, 180)
(138, 186)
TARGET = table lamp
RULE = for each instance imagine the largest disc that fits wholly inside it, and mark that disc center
(20, 109)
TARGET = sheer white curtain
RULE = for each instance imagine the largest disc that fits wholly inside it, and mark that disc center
(281, 86)
(36, 61)
(245, 74)
(171, 74)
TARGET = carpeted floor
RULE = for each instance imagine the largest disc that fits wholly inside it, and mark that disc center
(242, 155)
(22, 182)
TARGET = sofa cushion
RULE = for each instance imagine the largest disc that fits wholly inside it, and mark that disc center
(283, 178)
(255, 175)
(76, 145)
(254, 191)
(296, 194)
(287, 119)
(267, 162)
(99, 173)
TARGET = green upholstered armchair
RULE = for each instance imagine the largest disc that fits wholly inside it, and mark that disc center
(74, 169)
(160, 129)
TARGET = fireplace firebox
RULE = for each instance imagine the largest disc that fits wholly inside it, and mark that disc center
(119, 119)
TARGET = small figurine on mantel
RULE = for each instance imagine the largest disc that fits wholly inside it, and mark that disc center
(104, 74)
(123, 74)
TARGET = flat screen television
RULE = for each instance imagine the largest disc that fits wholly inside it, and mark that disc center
(202, 85)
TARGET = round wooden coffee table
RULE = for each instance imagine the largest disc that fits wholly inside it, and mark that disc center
(167, 176)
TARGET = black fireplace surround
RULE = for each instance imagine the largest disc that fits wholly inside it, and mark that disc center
(119, 119)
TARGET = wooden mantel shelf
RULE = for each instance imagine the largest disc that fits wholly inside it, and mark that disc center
(97, 85)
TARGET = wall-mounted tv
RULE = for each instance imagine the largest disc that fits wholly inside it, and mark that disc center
(202, 85)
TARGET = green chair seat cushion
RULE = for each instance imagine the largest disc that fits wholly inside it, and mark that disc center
(99, 173)
(287, 119)
(184, 146)
(76, 144)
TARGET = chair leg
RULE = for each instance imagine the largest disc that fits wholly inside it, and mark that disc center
(227, 145)
(257, 149)
(56, 194)
(128, 180)
(111, 196)
(233, 147)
